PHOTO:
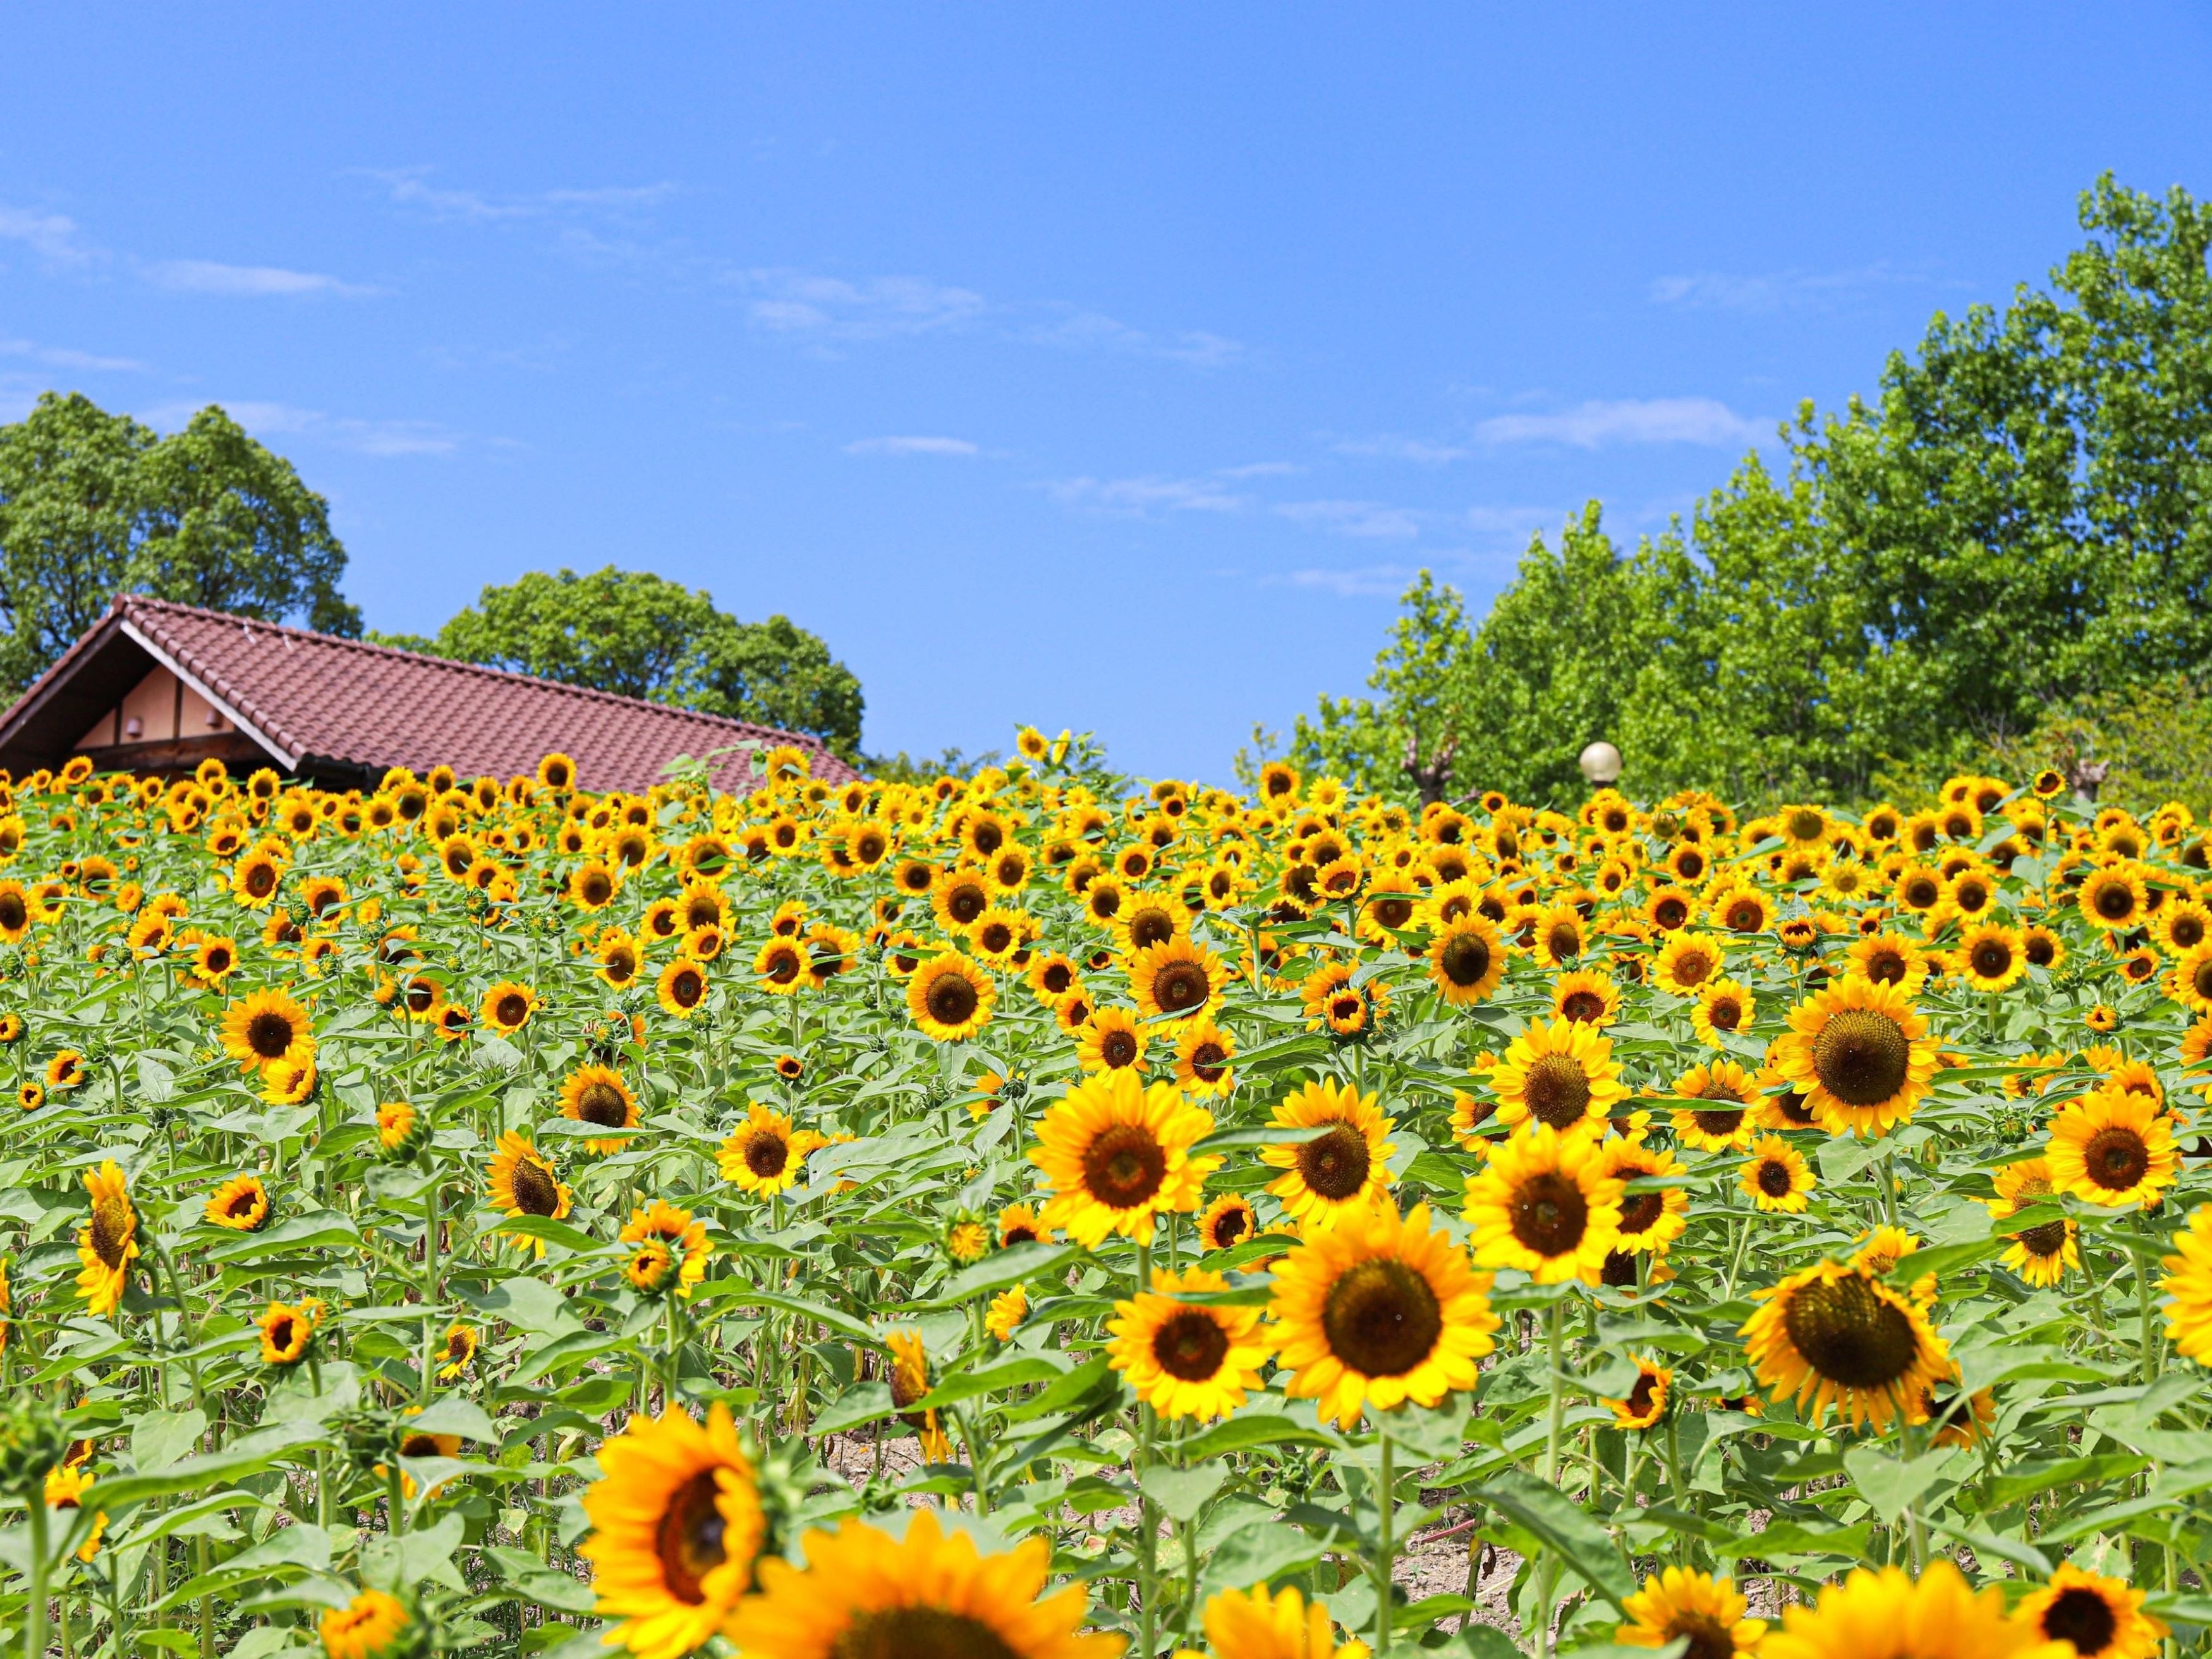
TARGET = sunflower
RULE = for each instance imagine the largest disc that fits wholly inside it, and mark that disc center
(288, 1333)
(401, 1131)
(2042, 1253)
(780, 965)
(1177, 979)
(1544, 1204)
(1585, 997)
(1018, 1225)
(108, 1243)
(1116, 1154)
(597, 1096)
(525, 1182)
(264, 1027)
(1682, 1603)
(374, 1624)
(1724, 1007)
(1111, 1041)
(668, 1249)
(1646, 1406)
(1836, 1336)
(458, 1351)
(932, 1592)
(1255, 1625)
(1724, 1125)
(508, 1005)
(254, 880)
(909, 1383)
(1379, 1310)
(240, 1204)
(1203, 1053)
(682, 987)
(950, 999)
(1776, 1176)
(2188, 1281)
(66, 1070)
(1560, 1073)
(677, 1526)
(2189, 983)
(1860, 1054)
(2101, 1617)
(30, 1097)
(1887, 1615)
(1337, 1002)
(1686, 962)
(1007, 1311)
(762, 1156)
(2114, 1148)
(1649, 1221)
(1228, 1221)
(2042, 948)
(1183, 1358)
(1344, 1166)
(1466, 959)
(2113, 897)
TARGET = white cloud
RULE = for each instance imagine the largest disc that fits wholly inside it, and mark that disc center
(1511, 522)
(912, 447)
(49, 235)
(250, 282)
(363, 437)
(63, 357)
(1371, 519)
(1777, 290)
(1390, 447)
(1095, 330)
(1358, 582)
(797, 302)
(1261, 470)
(1628, 420)
(1145, 496)
(411, 187)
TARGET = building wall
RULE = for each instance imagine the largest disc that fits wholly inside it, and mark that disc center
(165, 709)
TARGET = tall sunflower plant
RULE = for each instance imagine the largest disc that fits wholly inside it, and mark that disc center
(1029, 1213)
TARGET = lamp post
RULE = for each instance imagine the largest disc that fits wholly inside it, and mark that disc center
(1601, 763)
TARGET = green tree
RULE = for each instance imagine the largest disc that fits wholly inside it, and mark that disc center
(642, 635)
(93, 504)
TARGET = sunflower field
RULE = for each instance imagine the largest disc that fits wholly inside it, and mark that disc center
(1031, 1216)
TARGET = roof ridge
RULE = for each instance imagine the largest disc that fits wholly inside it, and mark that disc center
(136, 601)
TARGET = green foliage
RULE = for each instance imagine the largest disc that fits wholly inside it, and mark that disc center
(2021, 517)
(92, 504)
(642, 635)
(2137, 749)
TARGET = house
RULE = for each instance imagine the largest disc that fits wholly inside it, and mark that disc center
(157, 687)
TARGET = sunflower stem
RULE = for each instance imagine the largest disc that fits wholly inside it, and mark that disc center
(35, 1610)
(1386, 1557)
(1148, 1525)
(1555, 1320)
(430, 1289)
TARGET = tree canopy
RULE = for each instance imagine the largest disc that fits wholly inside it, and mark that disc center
(642, 636)
(2021, 517)
(93, 504)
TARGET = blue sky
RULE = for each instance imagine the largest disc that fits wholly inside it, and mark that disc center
(1104, 366)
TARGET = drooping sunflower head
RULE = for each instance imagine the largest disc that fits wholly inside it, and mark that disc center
(1345, 1165)
(597, 1096)
(524, 1182)
(1545, 1203)
(1557, 1072)
(1645, 1405)
(1835, 1337)
(668, 1249)
(240, 1204)
(401, 1131)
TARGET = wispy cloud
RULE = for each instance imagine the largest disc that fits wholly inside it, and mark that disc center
(797, 302)
(50, 235)
(361, 437)
(246, 282)
(411, 187)
(1148, 496)
(1355, 582)
(1777, 290)
(1628, 421)
(1095, 330)
(1391, 446)
(957, 446)
(1371, 520)
(63, 357)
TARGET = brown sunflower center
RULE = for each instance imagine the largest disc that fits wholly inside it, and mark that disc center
(1465, 959)
(1718, 1120)
(1393, 913)
(113, 1223)
(1229, 1226)
(2080, 1615)
(2201, 980)
(919, 1633)
(1057, 977)
(1708, 1638)
(1335, 1162)
(536, 1192)
(2116, 1157)
(2115, 901)
(260, 880)
(1190, 1345)
(1640, 1212)
(688, 1537)
(1861, 1057)
(766, 1155)
(1208, 1061)
(1118, 1048)
(1558, 1090)
(2044, 1241)
(1124, 1167)
(602, 1104)
(1583, 1006)
(1850, 1333)
(1382, 1318)
(950, 1000)
(1180, 985)
(1549, 1215)
(241, 1202)
(1640, 1397)
(1670, 913)
(1992, 958)
(511, 1009)
(1151, 927)
(1774, 1178)
(1725, 1014)
(1692, 968)
(419, 1445)
(280, 1332)
(268, 1034)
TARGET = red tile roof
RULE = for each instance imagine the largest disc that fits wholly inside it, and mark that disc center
(315, 697)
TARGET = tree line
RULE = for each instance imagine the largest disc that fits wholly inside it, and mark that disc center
(93, 504)
(2007, 550)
